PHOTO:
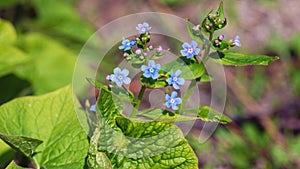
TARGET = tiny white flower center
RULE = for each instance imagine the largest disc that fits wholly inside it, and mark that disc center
(143, 29)
(151, 70)
(128, 44)
(175, 79)
(172, 101)
(190, 50)
(120, 77)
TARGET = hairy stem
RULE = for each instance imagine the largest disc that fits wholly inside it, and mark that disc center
(188, 93)
(207, 48)
(137, 104)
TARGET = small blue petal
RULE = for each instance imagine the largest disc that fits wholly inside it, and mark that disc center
(180, 81)
(127, 80)
(184, 52)
(167, 97)
(178, 73)
(194, 44)
(155, 76)
(174, 107)
(174, 95)
(186, 45)
(93, 108)
(178, 100)
(176, 86)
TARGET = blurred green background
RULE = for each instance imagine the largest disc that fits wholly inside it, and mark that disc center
(40, 40)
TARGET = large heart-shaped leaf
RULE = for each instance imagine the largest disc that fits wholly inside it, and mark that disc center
(239, 59)
(52, 119)
(138, 144)
(152, 145)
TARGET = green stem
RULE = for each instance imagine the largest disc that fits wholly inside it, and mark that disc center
(207, 48)
(188, 93)
(137, 104)
(36, 164)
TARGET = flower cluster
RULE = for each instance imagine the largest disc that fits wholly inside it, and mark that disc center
(140, 54)
(221, 44)
(150, 69)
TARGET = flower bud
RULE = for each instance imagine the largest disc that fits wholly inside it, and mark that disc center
(107, 77)
(160, 49)
(138, 51)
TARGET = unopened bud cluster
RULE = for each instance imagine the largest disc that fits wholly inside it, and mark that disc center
(213, 22)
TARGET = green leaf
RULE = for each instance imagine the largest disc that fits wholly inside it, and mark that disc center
(238, 59)
(137, 144)
(153, 145)
(52, 64)
(7, 33)
(221, 11)
(164, 115)
(195, 35)
(189, 67)
(65, 20)
(107, 107)
(7, 154)
(205, 78)
(13, 165)
(157, 55)
(150, 83)
(10, 59)
(208, 114)
(135, 60)
(97, 160)
(23, 144)
(50, 118)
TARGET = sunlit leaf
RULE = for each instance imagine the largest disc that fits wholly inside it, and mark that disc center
(137, 144)
(189, 67)
(239, 59)
(50, 118)
(208, 114)
(7, 33)
(11, 58)
(52, 64)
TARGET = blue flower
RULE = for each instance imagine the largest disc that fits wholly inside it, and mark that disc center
(127, 44)
(120, 76)
(237, 42)
(143, 28)
(190, 50)
(93, 108)
(173, 100)
(151, 70)
(175, 79)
